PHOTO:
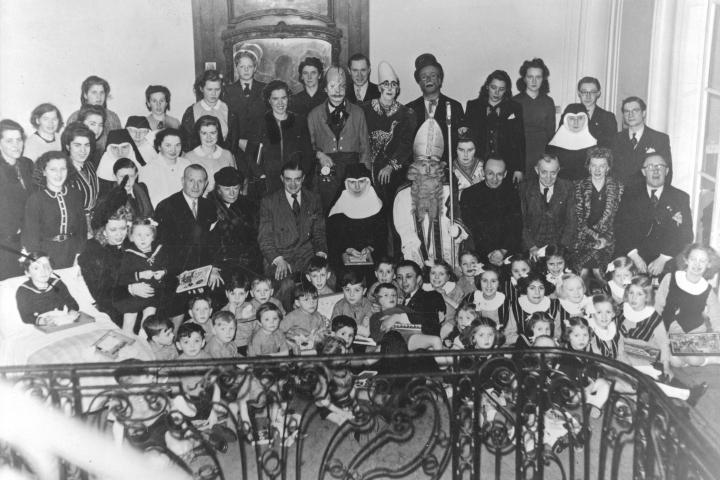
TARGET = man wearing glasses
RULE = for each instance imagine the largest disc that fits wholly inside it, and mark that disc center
(654, 223)
(602, 124)
(636, 141)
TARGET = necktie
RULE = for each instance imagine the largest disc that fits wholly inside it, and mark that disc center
(295, 205)
(653, 197)
(431, 109)
(634, 140)
(161, 125)
(358, 93)
(546, 190)
(246, 90)
(194, 207)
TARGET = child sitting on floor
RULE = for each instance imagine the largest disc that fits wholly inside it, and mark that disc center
(345, 328)
(237, 290)
(318, 274)
(161, 337)
(199, 312)
(354, 304)
(470, 267)
(268, 339)
(220, 344)
(305, 327)
(390, 313)
(384, 273)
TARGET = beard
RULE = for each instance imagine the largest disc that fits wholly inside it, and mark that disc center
(426, 192)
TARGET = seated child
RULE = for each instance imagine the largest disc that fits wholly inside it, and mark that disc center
(161, 337)
(354, 304)
(336, 404)
(553, 264)
(262, 292)
(44, 299)
(573, 302)
(384, 273)
(441, 280)
(140, 263)
(470, 267)
(619, 273)
(190, 341)
(345, 327)
(199, 312)
(540, 324)
(519, 268)
(220, 344)
(390, 313)
(607, 340)
(237, 290)
(459, 338)
(268, 339)
(318, 274)
(488, 301)
(304, 328)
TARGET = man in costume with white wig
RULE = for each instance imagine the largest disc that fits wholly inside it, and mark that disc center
(421, 210)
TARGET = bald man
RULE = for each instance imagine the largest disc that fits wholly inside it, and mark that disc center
(339, 136)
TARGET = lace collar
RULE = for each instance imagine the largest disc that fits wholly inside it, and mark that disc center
(531, 308)
(575, 308)
(482, 303)
(634, 316)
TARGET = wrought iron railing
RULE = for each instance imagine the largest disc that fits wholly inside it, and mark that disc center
(498, 415)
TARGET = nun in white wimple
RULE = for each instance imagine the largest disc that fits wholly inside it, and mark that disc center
(572, 141)
(356, 227)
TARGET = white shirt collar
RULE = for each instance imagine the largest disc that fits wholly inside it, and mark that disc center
(290, 198)
(363, 89)
(206, 106)
(658, 191)
(189, 201)
(550, 189)
(638, 133)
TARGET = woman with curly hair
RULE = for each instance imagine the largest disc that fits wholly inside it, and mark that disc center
(54, 216)
(78, 142)
(538, 109)
(597, 199)
(310, 74)
(209, 153)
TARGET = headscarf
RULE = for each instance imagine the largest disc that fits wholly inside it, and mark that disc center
(569, 140)
(116, 137)
(360, 206)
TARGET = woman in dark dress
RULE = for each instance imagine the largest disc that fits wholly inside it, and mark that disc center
(78, 142)
(496, 122)
(356, 225)
(278, 137)
(15, 188)
(538, 109)
(313, 94)
(596, 202)
(54, 216)
(100, 259)
(572, 142)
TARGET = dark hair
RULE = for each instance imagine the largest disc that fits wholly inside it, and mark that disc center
(272, 86)
(42, 162)
(311, 62)
(645, 282)
(292, 164)
(268, 307)
(357, 57)
(32, 257)
(166, 132)
(197, 298)
(317, 263)
(74, 130)
(155, 325)
(203, 78)
(599, 152)
(572, 322)
(411, 264)
(533, 276)
(151, 89)
(552, 250)
(208, 121)
(88, 110)
(235, 279)
(384, 259)
(386, 285)
(496, 75)
(89, 82)
(143, 222)
(11, 125)
(469, 252)
(352, 277)
(538, 317)
(342, 321)
(121, 163)
(639, 101)
(222, 316)
(304, 288)
(602, 298)
(589, 80)
(41, 110)
(187, 329)
(534, 63)
(393, 342)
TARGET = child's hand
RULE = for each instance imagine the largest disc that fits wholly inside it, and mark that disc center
(158, 274)
(375, 307)
(146, 275)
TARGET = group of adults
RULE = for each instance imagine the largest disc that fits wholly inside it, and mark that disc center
(259, 178)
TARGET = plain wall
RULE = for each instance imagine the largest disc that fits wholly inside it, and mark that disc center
(471, 38)
(48, 47)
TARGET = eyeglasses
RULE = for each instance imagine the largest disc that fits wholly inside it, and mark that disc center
(389, 84)
(656, 167)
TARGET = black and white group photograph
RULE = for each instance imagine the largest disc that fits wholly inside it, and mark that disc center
(359, 239)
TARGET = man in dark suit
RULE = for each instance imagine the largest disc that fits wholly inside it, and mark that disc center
(429, 75)
(426, 308)
(548, 207)
(653, 224)
(184, 222)
(245, 100)
(602, 124)
(292, 230)
(632, 145)
(363, 89)
(491, 210)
